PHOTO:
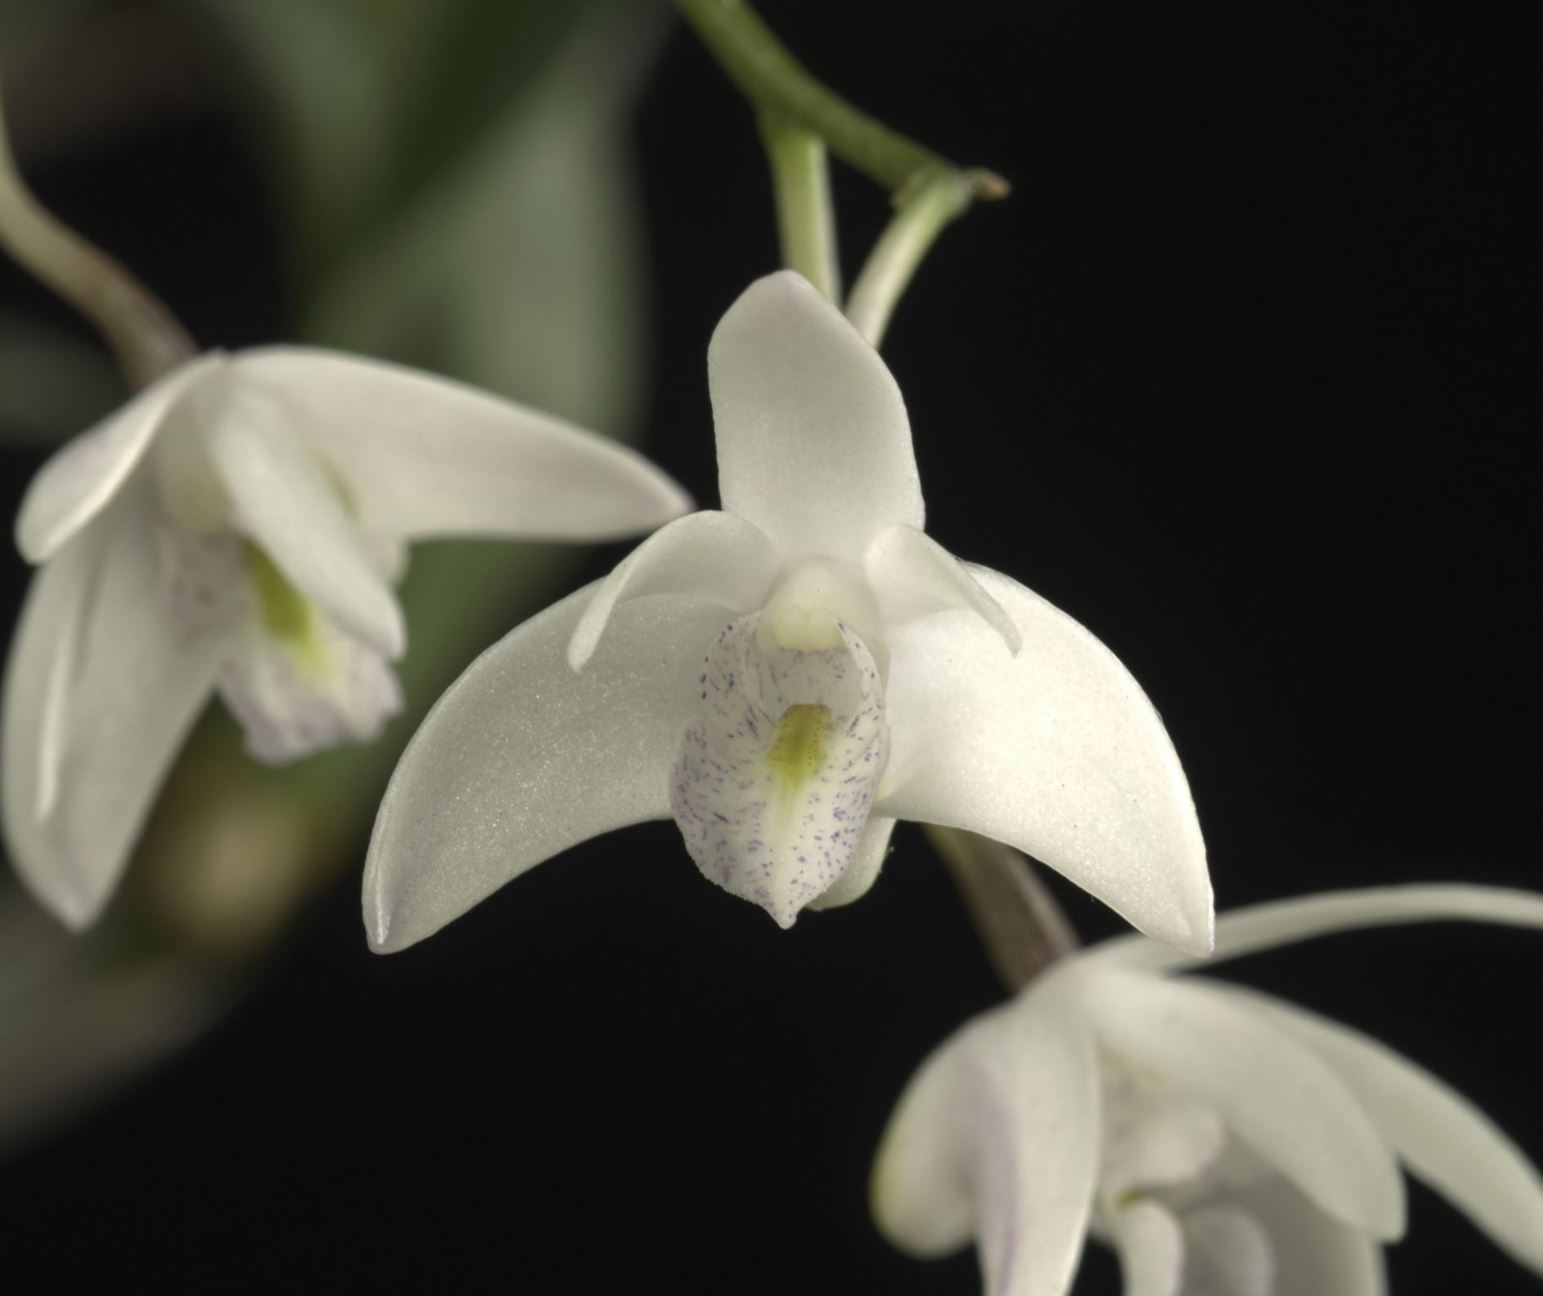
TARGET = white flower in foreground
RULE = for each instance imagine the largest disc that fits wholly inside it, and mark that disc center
(790, 676)
(1224, 1142)
(238, 526)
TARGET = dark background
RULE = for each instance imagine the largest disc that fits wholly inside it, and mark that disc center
(1240, 377)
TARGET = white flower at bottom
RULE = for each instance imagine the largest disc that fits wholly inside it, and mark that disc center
(238, 527)
(1225, 1143)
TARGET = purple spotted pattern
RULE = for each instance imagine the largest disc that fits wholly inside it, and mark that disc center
(745, 828)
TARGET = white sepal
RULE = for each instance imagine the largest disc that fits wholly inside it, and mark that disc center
(1054, 750)
(521, 758)
(814, 446)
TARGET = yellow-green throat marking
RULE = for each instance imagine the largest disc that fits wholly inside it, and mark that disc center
(798, 747)
(287, 614)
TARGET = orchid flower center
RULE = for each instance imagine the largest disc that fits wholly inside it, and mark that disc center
(807, 611)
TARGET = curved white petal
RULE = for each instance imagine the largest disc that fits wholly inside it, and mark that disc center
(711, 555)
(39, 678)
(283, 499)
(1314, 1255)
(424, 456)
(997, 1135)
(774, 778)
(859, 876)
(1228, 1252)
(1263, 926)
(1151, 1247)
(814, 446)
(1274, 1095)
(1439, 1134)
(1055, 751)
(135, 685)
(914, 576)
(83, 477)
(521, 758)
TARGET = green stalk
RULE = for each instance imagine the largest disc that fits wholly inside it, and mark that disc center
(806, 222)
(909, 236)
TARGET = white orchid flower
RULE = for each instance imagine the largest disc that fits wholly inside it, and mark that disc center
(1224, 1142)
(790, 676)
(238, 527)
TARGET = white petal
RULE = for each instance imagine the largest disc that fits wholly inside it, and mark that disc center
(997, 1134)
(814, 446)
(774, 777)
(135, 687)
(81, 479)
(860, 875)
(294, 704)
(424, 456)
(914, 576)
(521, 758)
(1055, 751)
(1280, 922)
(1314, 1254)
(39, 677)
(1439, 1134)
(282, 497)
(711, 555)
(1227, 1253)
(1151, 1247)
(1274, 1095)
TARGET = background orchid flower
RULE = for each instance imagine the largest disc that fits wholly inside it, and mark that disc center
(238, 526)
(790, 676)
(1222, 1141)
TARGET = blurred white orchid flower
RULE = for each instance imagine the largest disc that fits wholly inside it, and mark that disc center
(1225, 1143)
(238, 527)
(790, 676)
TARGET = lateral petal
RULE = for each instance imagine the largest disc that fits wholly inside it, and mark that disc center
(997, 1135)
(1441, 1136)
(282, 498)
(135, 686)
(1274, 1095)
(709, 555)
(84, 476)
(914, 576)
(1314, 1254)
(425, 456)
(814, 446)
(521, 759)
(1055, 751)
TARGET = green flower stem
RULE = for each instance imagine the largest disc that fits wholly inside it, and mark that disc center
(806, 221)
(773, 80)
(143, 334)
(1022, 927)
(924, 212)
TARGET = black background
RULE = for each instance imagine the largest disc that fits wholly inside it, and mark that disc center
(1240, 377)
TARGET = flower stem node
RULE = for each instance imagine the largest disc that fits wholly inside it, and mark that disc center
(787, 677)
(237, 528)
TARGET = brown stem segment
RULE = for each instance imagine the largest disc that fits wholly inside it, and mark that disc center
(1022, 927)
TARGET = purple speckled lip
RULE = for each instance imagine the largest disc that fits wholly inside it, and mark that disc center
(776, 843)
